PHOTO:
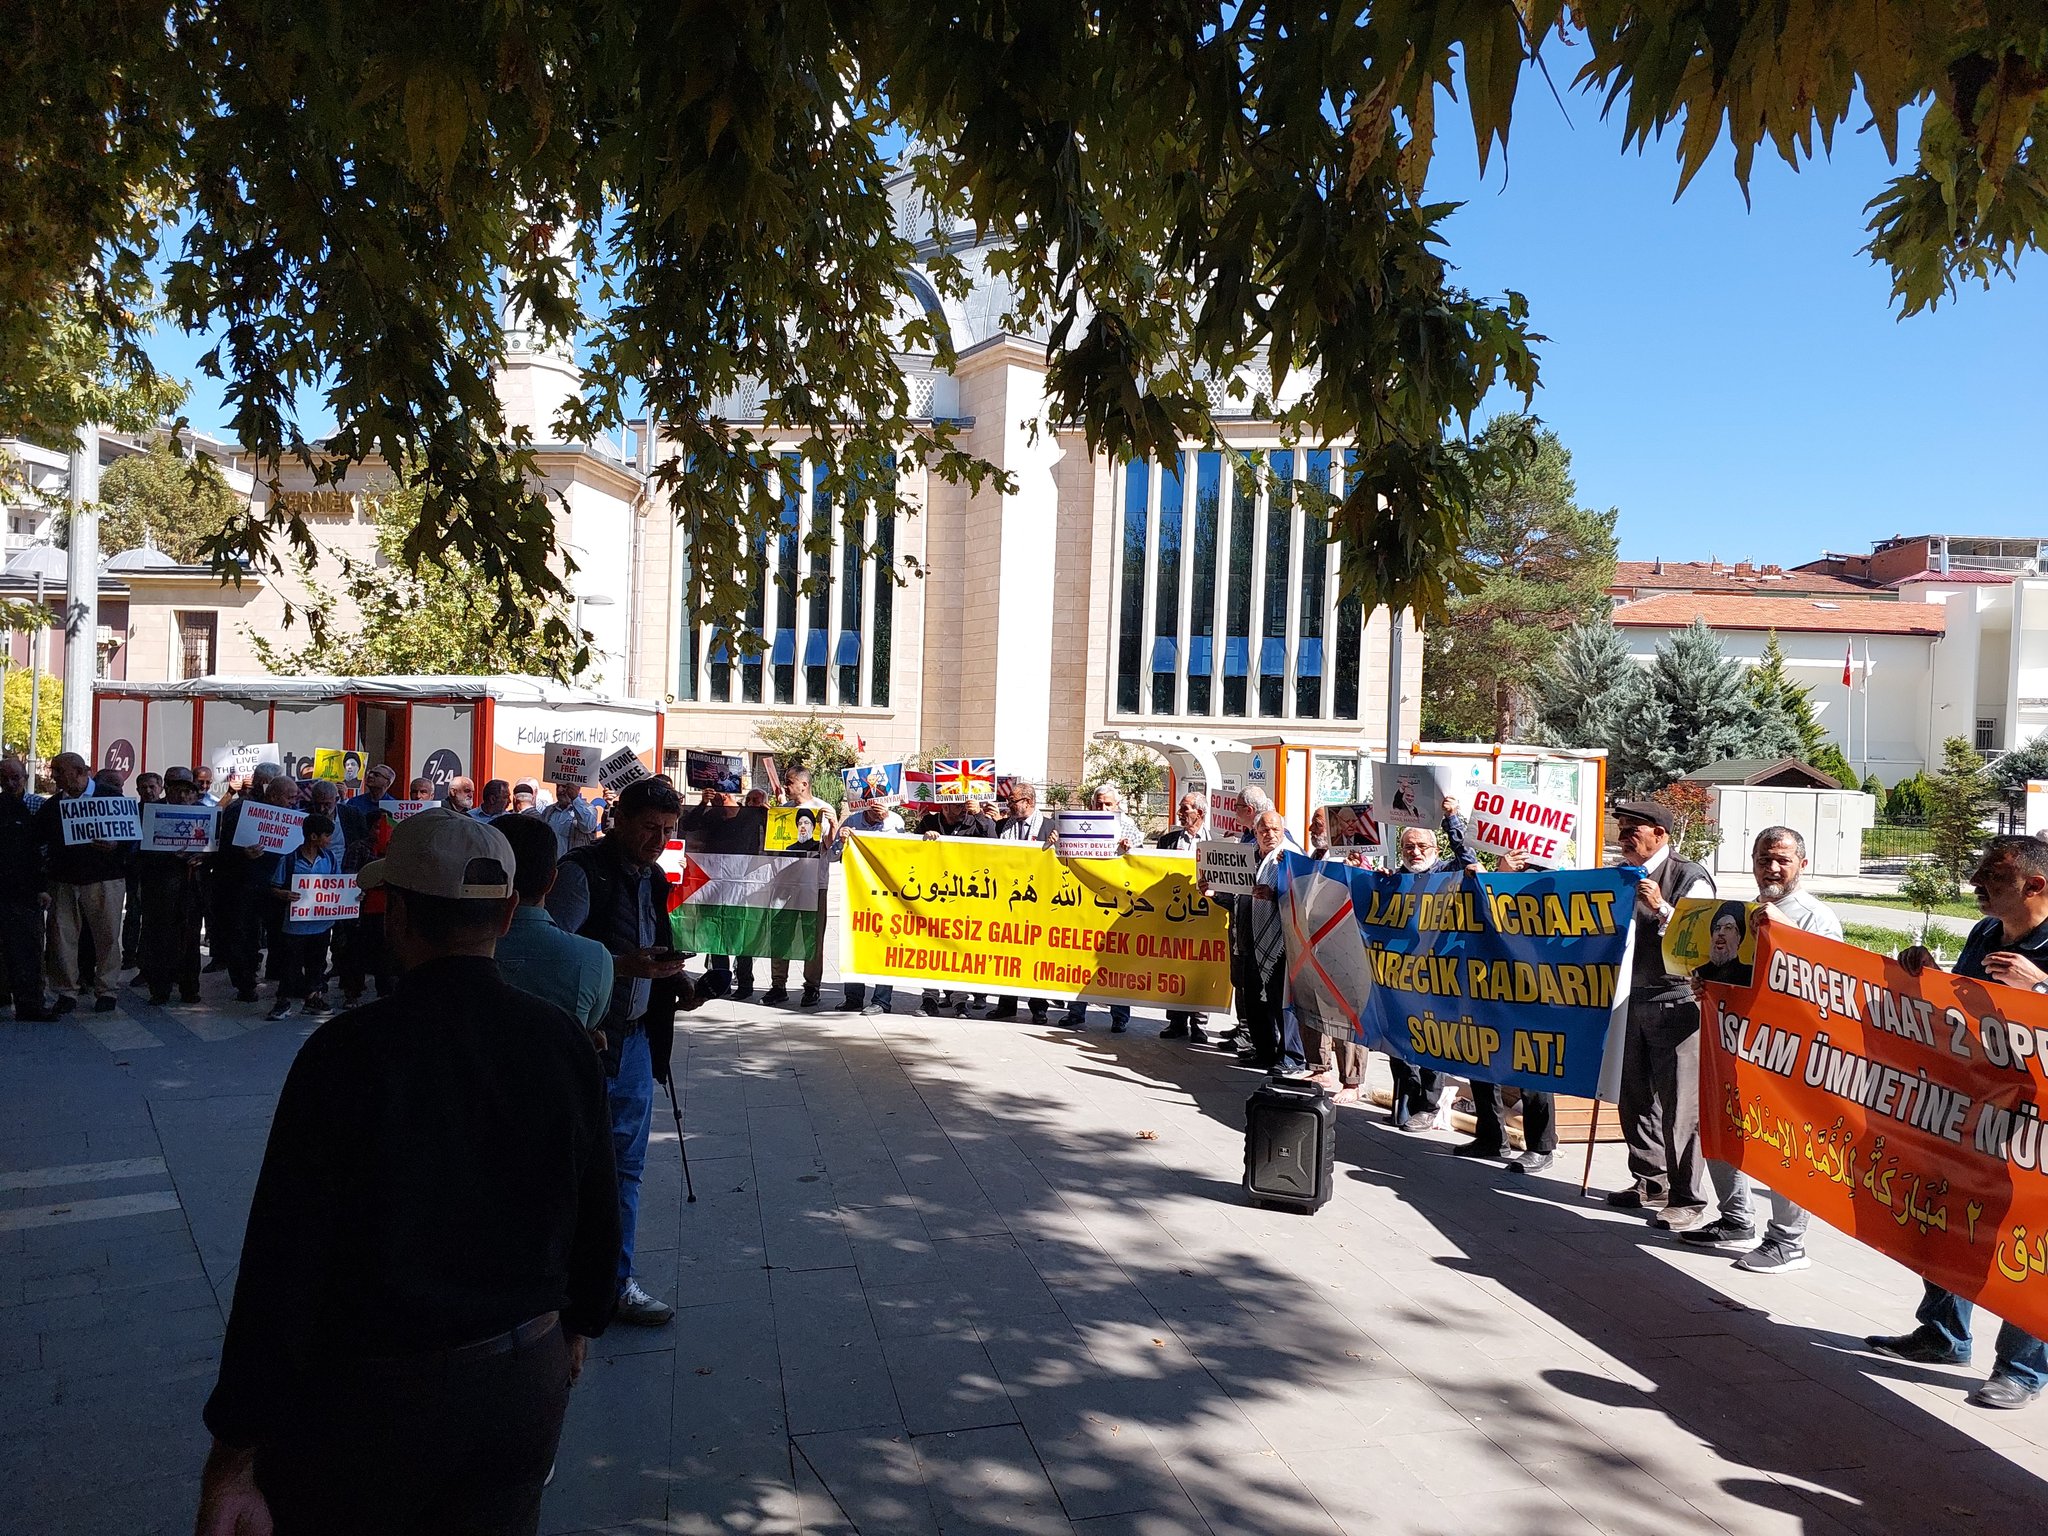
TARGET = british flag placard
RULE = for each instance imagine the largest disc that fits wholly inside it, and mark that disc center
(964, 778)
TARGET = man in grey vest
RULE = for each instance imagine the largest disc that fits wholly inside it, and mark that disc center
(1660, 1066)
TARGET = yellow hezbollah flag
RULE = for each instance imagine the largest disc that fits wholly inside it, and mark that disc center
(1017, 919)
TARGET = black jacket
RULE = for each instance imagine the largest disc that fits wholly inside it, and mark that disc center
(21, 850)
(439, 1171)
(601, 870)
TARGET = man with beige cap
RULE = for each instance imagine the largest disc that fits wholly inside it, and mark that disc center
(433, 1240)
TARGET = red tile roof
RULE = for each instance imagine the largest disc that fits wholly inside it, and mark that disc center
(1716, 576)
(1675, 610)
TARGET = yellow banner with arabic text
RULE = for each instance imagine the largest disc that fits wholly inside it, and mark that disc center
(1017, 920)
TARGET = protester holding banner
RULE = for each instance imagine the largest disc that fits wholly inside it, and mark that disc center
(87, 876)
(875, 819)
(149, 790)
(1419, 1091)
(796, 792)
(2010, 947)
(170, 893)
(615, 893)
(1107, 797)
(304, 938)
(1190, 827)
(1020, 823)
(1245, 983)
(953, 818)
(235, 875)
(1660, 1069)
(24, 897)
(1778, 859)
(571, 818)
(1275, 1037)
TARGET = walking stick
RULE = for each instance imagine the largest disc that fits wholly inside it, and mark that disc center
(1592, 1135)
(682, 1144)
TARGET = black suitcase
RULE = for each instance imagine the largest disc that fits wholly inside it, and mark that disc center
(1290, 1145)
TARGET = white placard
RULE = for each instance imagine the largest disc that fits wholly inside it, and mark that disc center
(178, 828)
(1088, 834)
(398, 810)
(240, 758)
(1227, 866)
(272, 828)
(568, 762)
(100, 819)
(325, 898)
(620, 769)
(1407, 795)
(1544, 832)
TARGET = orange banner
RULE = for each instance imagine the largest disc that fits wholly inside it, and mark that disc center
(1901, 1109)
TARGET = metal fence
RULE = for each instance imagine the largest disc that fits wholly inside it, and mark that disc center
(1906, 838)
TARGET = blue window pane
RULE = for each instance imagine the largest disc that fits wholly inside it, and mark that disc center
(814, 648)
(1237, 656)
(1200, 650)
(1163, 654)
(849, 649)
(718, 655)
(751, 661)
(1308, 658)
(1272, 657)
(785, 648)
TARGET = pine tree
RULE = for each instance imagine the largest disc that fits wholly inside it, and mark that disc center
(1708, 713)
(1957, 799)
(1593, 694)
(1773, 689)
(1830, 761)
(1539, 564)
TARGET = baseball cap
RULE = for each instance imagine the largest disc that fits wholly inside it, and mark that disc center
(456, 857)
(1645, 810)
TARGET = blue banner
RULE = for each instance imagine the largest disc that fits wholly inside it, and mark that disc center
(1511, 979)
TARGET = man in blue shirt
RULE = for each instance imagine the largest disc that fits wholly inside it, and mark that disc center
(572, 972)
(2009, 947)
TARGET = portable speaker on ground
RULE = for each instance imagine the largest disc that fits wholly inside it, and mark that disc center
(1290, 1145)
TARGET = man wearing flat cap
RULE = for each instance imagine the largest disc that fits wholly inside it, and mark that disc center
(1660, 1065)
(434, 1238)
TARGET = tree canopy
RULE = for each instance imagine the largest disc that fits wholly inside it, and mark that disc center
(348, 190)
(182, 504)
(1540, 563)
(441, 616)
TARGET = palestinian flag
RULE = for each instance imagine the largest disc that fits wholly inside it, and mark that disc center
(743, 904)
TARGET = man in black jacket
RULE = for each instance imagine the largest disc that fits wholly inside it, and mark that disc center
(24, 897)
(433, 1239)
(613, 892)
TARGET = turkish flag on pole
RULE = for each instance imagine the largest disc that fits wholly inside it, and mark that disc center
(1847, 652)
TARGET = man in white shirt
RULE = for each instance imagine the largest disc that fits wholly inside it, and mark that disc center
(796, 792)
(572, 818)
(872, 819)
(1023, 824)
(1660, 1065)
(1778, 858)
(1107, 797)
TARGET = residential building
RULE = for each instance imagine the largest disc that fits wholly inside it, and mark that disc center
(1948, 637)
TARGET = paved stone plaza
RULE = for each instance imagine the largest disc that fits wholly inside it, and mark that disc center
(953, 1276)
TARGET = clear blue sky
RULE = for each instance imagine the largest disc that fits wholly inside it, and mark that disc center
(1733, 379)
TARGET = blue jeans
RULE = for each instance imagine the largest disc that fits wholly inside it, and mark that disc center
(632, 1104)
(1077, 1014)
(2020, 1356)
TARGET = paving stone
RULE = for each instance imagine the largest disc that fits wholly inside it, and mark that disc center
(874, 1478)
